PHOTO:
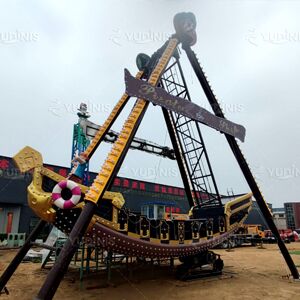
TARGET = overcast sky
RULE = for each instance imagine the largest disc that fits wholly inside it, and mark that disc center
(56, 54)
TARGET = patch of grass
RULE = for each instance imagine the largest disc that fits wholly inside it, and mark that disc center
(296, 252)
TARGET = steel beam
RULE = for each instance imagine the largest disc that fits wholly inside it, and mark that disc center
(241, 160)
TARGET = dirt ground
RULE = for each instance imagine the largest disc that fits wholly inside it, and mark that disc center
(249, 273)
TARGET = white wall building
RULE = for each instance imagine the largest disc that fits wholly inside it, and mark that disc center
(279, 217)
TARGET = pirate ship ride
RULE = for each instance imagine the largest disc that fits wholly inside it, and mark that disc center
(99, 215)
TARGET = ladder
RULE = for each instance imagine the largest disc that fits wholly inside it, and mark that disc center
(190, 142)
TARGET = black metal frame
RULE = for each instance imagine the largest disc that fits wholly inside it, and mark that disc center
(179, 157)
(240, 159)
(190, 143)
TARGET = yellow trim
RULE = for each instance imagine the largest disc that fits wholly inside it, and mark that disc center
(107, 223)
(133, 235)
(167, 234)
(40, 201)
(27, 159)
(227, 208)
(155, 241)
(147, 235)
(125, 228)
(174, 242)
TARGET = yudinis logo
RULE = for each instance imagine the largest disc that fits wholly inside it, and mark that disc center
(149, 173)
(278, 173)
(13, 37)
(120, 37)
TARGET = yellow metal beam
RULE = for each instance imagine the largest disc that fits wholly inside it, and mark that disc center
(100, 183)
(86, 155)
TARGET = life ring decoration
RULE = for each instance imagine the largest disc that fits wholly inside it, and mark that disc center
(66, 194)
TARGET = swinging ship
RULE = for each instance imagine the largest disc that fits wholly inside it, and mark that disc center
(107, 223)
(116, 229)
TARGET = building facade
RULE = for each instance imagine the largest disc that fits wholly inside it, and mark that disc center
(292, 211)
(279, 218)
